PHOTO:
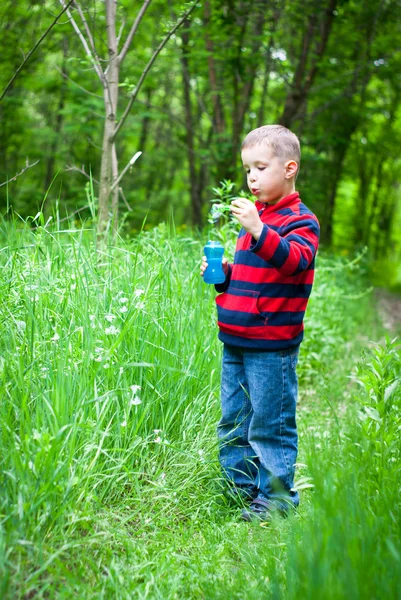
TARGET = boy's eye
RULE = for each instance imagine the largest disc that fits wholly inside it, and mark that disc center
(247, 171)
(261, 168)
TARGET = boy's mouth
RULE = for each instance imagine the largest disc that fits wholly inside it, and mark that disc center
(255, 191)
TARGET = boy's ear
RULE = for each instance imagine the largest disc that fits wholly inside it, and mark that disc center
(291, 169)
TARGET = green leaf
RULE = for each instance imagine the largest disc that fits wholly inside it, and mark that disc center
(390, 389)
(373, 413)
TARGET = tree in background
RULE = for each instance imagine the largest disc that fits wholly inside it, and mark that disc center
(330, 70)
(109, 77)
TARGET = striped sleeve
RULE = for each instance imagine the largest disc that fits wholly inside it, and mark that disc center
(293, 252)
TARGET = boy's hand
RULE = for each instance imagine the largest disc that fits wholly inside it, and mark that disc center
(203, 268)
(247, 214)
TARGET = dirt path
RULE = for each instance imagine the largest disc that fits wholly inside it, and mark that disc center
(389, 309)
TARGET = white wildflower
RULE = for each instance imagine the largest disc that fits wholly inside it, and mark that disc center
(157, 430)
(138, 293)
(55, 338)
(158, 440)
(140, 305)
(21, 325)
(121, 371)
(92, 317)
(134, 389)
(123, 309)
(135, 400)
(109, 318)
(123, 300)
(124, 424)
(111, 330)
(106, 366)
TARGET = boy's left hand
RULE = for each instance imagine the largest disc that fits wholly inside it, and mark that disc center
(247, 214)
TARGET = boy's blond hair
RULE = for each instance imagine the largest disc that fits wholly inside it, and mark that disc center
(281, 140)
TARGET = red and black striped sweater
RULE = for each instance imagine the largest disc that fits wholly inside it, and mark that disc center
(267, 287)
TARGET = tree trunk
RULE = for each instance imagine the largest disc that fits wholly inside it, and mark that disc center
(59, 120)
(196, 202)
(303, 78)
(336, 169)
(109, 165)
(242, 106)
(217, 106)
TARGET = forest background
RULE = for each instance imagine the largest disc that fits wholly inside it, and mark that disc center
(329, 70)
(109, 359)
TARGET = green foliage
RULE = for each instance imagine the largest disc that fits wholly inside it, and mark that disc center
(109, 367)
(380, 415)
(222, 203)
(351, 543)
(243, 67)
(223, 226)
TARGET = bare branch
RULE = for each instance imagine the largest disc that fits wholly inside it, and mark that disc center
(124, 198)
(63, 74)
(148, 67)
(123, 172)
(88, 32)
(33, 50)
(120, 32)
(88, 206)
(27, 166)
(82, 171)
(134, 28)
(73, 213)
(81, 36)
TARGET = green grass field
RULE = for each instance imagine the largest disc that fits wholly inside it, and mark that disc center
(110, 483)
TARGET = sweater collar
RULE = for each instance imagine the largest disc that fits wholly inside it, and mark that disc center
(284, 203)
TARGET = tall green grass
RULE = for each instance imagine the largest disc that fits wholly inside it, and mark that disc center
(110, 484)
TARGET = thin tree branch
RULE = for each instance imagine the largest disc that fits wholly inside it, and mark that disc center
(33, 50)
(124, 198)
(27, 166)
(120, 32)
(73, 213)
(148, 67)
(82, 171)
(88, 32)
(134, 28)
(88, 206)
(123, 172)
(77, 84)
(96, 65)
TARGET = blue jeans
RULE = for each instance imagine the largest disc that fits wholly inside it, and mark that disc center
(258, 441)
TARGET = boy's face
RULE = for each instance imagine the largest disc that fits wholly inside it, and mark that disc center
(269, 177)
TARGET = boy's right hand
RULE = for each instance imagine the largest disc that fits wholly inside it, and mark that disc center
(203, 268)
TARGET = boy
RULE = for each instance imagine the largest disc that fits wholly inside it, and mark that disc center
(261, 307)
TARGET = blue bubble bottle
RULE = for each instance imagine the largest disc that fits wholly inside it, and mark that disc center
(214, 255)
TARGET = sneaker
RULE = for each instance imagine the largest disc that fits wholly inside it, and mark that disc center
(262, 509)
(258, 510)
